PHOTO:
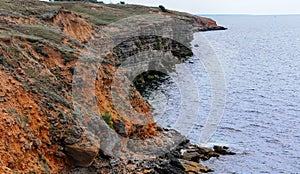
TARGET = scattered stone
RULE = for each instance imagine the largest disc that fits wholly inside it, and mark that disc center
(37, 143)
(8, 122)
(28, 146)
(60, 148)
(60, 154)
(23, 140)
(63, 121)
(114, 162)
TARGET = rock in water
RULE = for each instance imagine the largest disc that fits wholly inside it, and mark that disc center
(223, 150)
(195, 153)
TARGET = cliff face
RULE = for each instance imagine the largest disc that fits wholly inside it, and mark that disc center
(41, 47)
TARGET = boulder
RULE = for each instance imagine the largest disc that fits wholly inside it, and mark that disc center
(223, 150)
(194, 167)
(82, 154)
(207, 153)
(195, 153)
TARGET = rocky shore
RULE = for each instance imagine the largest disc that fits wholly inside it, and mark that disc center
(184, 158)
(64, 108)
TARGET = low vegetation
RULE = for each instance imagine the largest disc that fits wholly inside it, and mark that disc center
(108, 119)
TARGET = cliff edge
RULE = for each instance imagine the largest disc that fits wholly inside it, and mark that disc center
(62, 104)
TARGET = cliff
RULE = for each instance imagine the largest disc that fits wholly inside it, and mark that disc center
(62, 104)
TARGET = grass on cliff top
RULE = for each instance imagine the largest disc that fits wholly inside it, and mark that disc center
(96, 13)
(25, 8)
(104, 14)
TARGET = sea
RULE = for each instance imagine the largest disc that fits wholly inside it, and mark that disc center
(242, 90)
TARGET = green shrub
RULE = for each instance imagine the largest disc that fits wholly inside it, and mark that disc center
(108, 119)
(164, 42)
(138, 44)
(162, 8)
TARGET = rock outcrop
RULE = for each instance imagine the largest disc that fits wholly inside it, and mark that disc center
(51, 120)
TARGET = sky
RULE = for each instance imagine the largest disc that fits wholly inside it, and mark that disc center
(224, 6)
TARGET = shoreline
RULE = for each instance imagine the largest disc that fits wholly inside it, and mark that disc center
(181, 159)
